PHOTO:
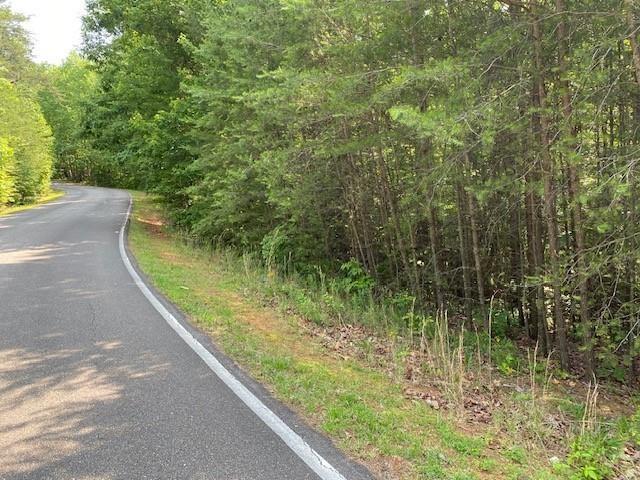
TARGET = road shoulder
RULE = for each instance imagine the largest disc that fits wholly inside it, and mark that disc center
(363, 408)
(142, 234)
(53, 195)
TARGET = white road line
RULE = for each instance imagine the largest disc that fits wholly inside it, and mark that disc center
(295, 442)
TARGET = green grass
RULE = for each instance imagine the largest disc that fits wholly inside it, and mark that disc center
(363, 409)
(46, 198)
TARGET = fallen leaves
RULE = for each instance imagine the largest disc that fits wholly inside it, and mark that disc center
(430, 397)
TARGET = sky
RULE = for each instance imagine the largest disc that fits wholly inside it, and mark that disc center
(55, 27)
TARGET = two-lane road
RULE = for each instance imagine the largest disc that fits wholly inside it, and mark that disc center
(94, 384)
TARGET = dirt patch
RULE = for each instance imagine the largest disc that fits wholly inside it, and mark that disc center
(153, 225)
(390, 468)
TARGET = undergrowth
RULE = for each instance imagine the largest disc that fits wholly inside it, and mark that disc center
(402, 376)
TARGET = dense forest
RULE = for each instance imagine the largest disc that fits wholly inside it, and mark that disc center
(26, 156)
(444, 155)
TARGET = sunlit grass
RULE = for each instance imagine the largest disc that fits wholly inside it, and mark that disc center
(46, 198)
(362, 409)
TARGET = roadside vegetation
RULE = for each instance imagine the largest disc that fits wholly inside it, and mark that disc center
(41, 119)
(49, 196)
(427, 402)
(26, 156)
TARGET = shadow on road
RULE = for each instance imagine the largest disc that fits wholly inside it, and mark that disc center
(63, 405)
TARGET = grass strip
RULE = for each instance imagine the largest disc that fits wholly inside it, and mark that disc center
(362, 409)
(46, 198)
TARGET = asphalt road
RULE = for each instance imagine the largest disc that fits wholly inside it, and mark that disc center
(94, 384)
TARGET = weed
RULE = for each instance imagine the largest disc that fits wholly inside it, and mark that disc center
(591, 456)
(460, 443)
(446, 361)
(516, 454)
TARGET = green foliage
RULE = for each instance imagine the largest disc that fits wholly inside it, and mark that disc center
(65, 98)
(406, 140)
(14, 45)
(591, 456)
(355, 280)
(7, 172)
(27, 145)
(596, 454)
(500, 351)
(272, 247)
(25, 138)
(516, 454)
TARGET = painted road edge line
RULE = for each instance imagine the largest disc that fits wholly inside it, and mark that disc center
(295, 442)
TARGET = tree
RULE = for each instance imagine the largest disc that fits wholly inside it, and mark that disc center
(66, 98)
(461, 153)
(14, 45)
(25, 137)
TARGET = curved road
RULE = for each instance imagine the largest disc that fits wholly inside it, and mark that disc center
(94, 384)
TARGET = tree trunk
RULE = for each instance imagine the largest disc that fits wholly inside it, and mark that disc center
(574, 192)
(633, 39)
(475, 245)
(633, 201)
(464, 252)
(437, 275)
(548, 169)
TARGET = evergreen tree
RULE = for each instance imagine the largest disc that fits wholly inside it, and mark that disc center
(457, 152)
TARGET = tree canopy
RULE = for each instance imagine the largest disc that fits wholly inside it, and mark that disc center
(26, 154)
